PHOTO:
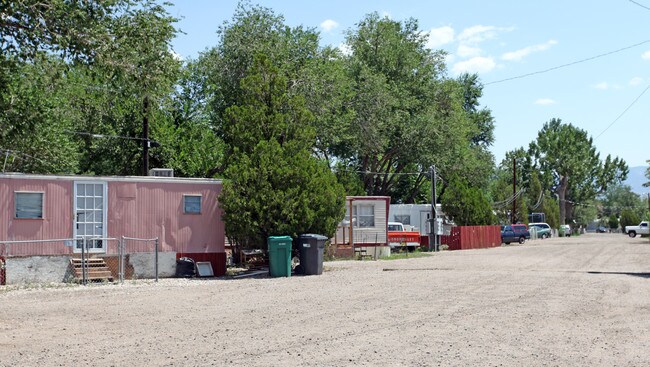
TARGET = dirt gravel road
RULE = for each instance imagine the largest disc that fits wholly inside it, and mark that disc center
(580, 301)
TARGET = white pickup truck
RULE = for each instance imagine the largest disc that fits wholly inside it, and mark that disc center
(642, 228)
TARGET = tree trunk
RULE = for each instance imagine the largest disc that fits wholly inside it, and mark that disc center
(561, 190)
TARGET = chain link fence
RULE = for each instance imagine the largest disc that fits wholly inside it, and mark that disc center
(81, 260)
(141, 259)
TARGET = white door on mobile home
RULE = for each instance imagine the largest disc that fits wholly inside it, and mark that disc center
(90, 215)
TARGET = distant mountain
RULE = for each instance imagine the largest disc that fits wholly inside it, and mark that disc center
(636, 178)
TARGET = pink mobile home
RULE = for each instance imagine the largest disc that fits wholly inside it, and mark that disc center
(183, 213)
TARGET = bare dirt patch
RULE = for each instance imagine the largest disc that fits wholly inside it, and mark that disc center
(579, 301)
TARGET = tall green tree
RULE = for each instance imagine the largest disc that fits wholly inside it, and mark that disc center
(612, 222)
(647, 174)
(568, 160)
(628, 218)
(406, 114)
(619, 197)
(35, 119)
(585, 214)
(109, 65)
(72, 29)
(466, 205)
(138, 71)
(275, 185)
(188, 142)
(253, 30)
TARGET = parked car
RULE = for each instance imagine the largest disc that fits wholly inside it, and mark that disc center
(543, 229)
(565, 230)
(601, 229)
(514, 233)
(642, 228)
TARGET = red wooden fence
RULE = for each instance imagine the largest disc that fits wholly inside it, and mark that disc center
(472, 237)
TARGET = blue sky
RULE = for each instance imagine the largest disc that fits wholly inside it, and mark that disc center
(502, 39)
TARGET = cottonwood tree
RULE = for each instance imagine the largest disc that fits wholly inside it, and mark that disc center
(253, 30)
(34, 119)
(72, 29)
(628, 218)
(569, 163)
(103, 60)
(137, 72)
(407, 115)
(188, 142)
(619, 197)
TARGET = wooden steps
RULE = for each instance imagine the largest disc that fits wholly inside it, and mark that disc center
(96, 270)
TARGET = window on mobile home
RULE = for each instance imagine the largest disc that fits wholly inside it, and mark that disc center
(192, 204)
(29, 205)
(362, 215)
(404, 219)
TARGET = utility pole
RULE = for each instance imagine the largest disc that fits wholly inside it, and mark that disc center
(514, 190)
(145, 136)
(433, 234)
(433, 210)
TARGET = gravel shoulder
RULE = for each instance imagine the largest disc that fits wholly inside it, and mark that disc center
(578, 301)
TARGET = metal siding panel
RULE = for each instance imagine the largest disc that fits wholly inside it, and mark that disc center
(157, 211)
(146, 209)
(57, 210)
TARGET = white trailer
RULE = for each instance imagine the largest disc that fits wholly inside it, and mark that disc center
(414, 217)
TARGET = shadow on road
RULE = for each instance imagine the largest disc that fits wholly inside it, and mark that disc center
(641, 275)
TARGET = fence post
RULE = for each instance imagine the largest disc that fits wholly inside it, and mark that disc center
(120, 259)
(156, 243)
(83, 260)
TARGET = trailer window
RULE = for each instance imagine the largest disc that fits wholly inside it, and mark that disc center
(404, 219)
(192, 204)
(29, 205)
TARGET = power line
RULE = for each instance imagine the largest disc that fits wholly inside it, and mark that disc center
(641, 5)
(16, 153)
(623, 113)
(539, 200)
(569, 64)
(509, 200)
(105, 136)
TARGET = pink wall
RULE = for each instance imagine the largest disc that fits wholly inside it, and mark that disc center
(57, 210)
(137, 207)
(155, 209)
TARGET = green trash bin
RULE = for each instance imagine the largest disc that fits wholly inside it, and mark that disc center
(280, 256)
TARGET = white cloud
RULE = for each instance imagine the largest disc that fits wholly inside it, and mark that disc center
(474, 65)
(479, 33)
(602, 86)
(440, 36)
(345, 49)
(468, 51)
(545, 101)
(646, 55)
(176, 56)
(635, 81)
(521, 53)
(328, 24)
(450, 58)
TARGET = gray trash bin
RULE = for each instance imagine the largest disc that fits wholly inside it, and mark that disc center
(312, 248)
